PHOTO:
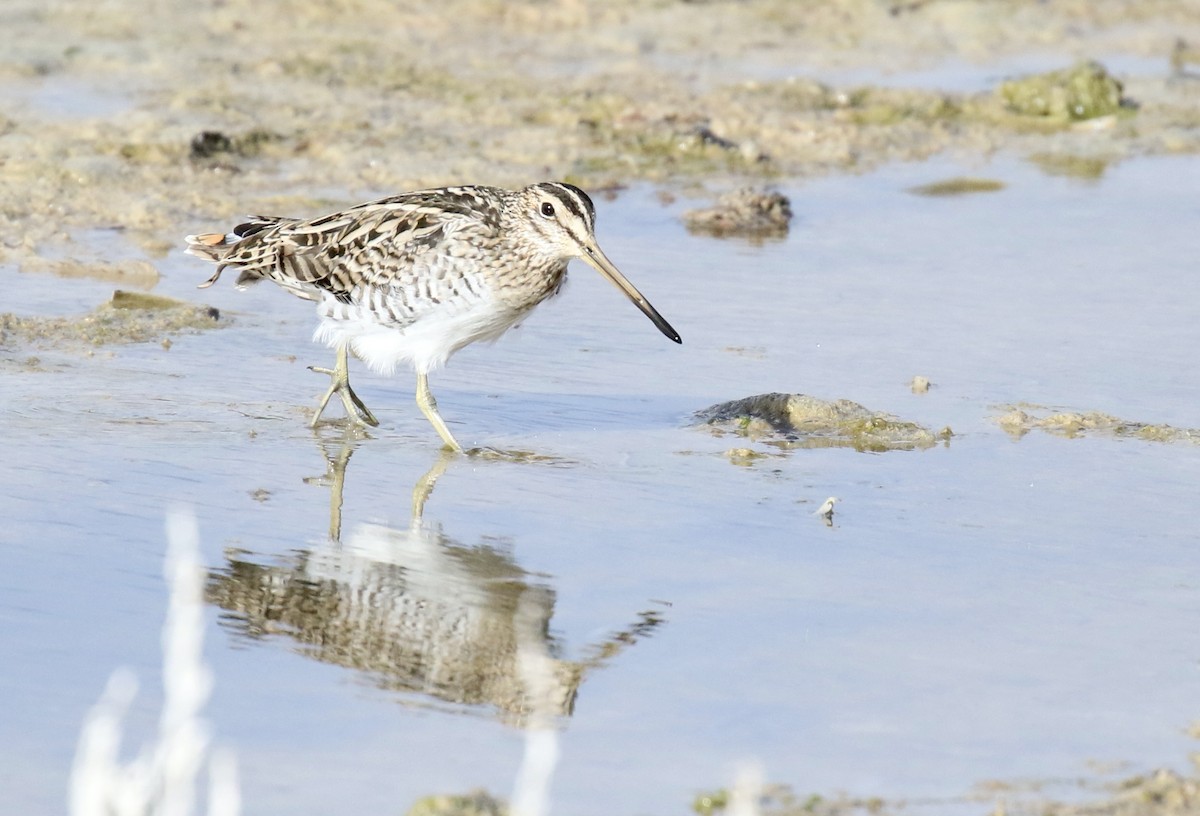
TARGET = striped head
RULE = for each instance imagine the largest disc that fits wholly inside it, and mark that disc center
(558, 221)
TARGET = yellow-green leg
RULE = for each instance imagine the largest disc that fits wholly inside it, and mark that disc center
(339, 384)
(428, 406)
(424, 486)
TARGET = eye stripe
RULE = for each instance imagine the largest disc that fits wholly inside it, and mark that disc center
(575, 200)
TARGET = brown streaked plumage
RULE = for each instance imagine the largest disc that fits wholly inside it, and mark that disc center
(417, 276)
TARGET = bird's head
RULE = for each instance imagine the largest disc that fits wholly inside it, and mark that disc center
(559, 220)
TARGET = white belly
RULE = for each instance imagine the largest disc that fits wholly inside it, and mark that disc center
(425, 344)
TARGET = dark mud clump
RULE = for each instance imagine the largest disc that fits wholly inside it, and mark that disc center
(209, 144)
(798, 420)
(749, 212)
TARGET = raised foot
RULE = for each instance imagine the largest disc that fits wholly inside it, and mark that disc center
(339, 384)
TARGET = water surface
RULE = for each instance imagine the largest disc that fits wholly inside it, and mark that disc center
(989, 609)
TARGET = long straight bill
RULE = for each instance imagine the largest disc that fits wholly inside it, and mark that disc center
(605, 267)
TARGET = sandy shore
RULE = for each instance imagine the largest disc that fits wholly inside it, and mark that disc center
(156, 119)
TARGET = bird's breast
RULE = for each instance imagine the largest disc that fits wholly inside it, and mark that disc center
(523, 287)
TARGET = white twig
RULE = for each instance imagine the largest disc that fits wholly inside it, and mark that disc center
(162, 780)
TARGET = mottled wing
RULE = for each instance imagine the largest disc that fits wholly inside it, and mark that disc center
(372, 246)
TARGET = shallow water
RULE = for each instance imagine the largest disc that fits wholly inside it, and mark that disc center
(990, 609)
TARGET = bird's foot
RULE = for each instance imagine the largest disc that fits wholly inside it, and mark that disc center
(339, 384)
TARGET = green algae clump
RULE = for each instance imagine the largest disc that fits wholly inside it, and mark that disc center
(958, 186)
(1018, 420)
(1084, 91)
(130, 317)
(475, 803)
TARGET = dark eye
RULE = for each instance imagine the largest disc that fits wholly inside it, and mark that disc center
(547, 209)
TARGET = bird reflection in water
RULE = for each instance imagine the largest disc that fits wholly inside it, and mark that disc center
(418, 612)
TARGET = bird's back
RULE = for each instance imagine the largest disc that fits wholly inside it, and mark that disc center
(418, 245)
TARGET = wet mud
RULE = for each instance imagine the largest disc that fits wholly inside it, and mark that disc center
(112, 118)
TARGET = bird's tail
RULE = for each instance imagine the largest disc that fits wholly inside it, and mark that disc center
(216, 247)
(211, 246)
